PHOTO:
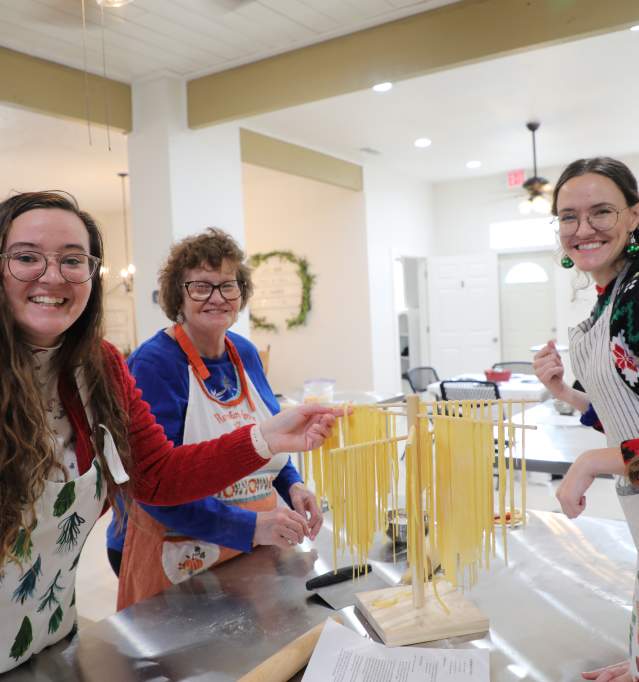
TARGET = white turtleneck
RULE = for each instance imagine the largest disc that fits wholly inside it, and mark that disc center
(56, 414)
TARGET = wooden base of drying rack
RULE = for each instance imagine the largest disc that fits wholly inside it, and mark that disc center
(391, 614)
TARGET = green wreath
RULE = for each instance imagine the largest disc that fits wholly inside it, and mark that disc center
(306, 278)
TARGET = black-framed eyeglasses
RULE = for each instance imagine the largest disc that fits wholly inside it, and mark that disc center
(230, 290)
(601, 218)
(28, 266)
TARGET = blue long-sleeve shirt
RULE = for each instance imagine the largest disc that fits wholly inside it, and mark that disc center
(161, 372)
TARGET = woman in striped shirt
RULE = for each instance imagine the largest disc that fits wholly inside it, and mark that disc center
(596, 204)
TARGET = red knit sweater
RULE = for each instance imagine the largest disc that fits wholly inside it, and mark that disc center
(162, 474)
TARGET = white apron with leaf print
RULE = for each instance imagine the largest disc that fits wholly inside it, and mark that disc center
(37, 599)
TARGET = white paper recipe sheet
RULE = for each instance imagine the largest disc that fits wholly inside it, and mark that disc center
(341, 655)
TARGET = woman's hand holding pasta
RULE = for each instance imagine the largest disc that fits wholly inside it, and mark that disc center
(305, 504)
(282, 527)
(300, 428)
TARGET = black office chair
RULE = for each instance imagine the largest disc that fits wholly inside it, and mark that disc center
(517, 367)
(419, 378)
(465, 389)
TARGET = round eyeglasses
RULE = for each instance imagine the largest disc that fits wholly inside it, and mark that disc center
(601, 218)
(202, 291)
(28, 266)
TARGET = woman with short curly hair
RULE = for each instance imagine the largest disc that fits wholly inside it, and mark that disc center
(202, 380)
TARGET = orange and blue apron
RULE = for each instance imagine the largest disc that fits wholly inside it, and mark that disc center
(154, 557)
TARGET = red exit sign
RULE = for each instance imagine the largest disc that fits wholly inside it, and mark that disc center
(516, 178)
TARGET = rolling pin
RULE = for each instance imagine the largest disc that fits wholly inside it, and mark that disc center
(290, 659)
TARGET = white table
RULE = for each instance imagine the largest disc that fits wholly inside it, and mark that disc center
(558, 346)
(518, 387)
(557, 442)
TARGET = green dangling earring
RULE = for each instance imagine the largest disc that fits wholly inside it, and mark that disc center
(632, 248)
(567, 262)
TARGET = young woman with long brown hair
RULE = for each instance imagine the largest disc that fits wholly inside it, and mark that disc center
(596, 205)
(73, 427)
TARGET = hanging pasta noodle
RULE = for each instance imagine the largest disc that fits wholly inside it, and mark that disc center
(501, 469)
(523, 462)
(357, 471)
(511, 464)
(449, 479)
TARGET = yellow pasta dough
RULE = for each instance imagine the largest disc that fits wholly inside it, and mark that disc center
(450, 458)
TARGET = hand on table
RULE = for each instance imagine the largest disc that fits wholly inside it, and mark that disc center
(305, 504)
(619, 672)
(282, 527)
(299, 428)
(549, 368)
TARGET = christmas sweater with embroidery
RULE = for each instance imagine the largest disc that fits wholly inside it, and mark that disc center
(161, 369)
(624, 346)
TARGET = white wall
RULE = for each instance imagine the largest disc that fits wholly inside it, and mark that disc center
(112, 228)
(398, 223)
(119, 317)
(325, 224)
(206, 176)
(181, 181)
(158, 112)
(463, 211)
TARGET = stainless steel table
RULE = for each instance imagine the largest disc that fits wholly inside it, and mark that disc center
(560, 607)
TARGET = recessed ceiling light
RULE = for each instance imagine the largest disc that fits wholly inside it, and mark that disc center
(473, 164)
(635, 28)
(383, 87)
(422, 142)
(113, 3)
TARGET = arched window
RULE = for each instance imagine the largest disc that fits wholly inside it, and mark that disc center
(526, 273)
(522, 234)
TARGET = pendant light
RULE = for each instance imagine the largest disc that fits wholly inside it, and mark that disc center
(536, 186)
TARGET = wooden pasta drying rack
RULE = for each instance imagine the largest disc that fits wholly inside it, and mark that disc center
(407, 615)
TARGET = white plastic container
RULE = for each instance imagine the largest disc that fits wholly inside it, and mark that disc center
(318, 390)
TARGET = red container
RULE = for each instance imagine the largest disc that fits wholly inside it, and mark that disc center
(497, 374)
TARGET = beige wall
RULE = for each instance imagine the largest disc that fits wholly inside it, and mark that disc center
(327, 225)
(119, 316)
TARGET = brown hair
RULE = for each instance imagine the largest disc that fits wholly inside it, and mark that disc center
(610, 168)
(27, 451)
(210, 248)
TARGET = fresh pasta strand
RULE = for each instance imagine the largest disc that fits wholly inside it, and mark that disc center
(449, 480)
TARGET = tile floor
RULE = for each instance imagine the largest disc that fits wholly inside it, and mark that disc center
(97, 585)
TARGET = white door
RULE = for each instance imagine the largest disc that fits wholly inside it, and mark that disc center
(527, 303)
(415, 297)
(463, 301)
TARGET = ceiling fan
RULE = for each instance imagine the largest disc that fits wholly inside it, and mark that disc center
(538, 188)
